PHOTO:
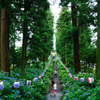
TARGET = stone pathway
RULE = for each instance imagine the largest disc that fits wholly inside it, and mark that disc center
(59, 87)
(58, 96)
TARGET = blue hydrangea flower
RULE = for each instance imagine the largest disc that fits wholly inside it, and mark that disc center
(6, 96)
(10, 86)
(1, 87)
(66, 91)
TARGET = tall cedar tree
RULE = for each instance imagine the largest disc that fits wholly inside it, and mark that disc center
(76, 37)
(98, 43)
(24, 43)
(40, 43)
(5, 66)
(0, 42)
(63, 44)
(76, 40)
(27, 5)
(82, 15)
(62, 25)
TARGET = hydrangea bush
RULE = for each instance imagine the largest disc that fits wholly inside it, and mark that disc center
(36, 91)
(77, 90)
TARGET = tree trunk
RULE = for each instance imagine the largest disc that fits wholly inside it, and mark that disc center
(24, 46)
(5, 66)
(64, 53)
(76, 41)
(47, 57)
(89, 69)
(62, 58)
(25, 35)
(0, 44)
(14, 50)
(86, 68)
(98, 43)
(13, 67)
(44, 60)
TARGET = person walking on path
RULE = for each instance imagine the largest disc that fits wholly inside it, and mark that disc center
(56, 73)
(55, 88)
(52, 88)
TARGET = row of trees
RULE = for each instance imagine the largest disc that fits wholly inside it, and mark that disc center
(34, 20)
(74, 33)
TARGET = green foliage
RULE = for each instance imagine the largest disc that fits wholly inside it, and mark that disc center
(76, 90)
(85, 11)
(87, 49)
(15, 56)
(65, 32)
(41, 43)
(36, 91)
(64, 35)
(37, 17)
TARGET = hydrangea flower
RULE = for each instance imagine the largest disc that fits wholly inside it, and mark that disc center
(66, 91)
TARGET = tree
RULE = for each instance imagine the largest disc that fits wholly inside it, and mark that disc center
(35, 21)
(5, 66)
(98, 43)
(76, 39)
(0, 42)
(80, 17)
(39, 8)
(40, 43)
(63, 24)
(24, 43)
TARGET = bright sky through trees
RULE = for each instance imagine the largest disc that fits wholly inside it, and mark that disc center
(55, 8)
